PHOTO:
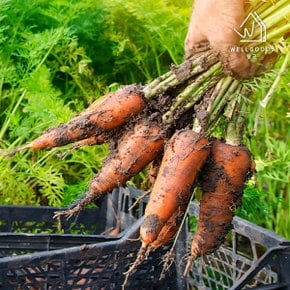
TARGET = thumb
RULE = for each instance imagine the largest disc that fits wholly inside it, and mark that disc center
(236, 63)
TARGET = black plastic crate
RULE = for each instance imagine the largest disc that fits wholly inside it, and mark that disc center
(252, 258)
(27, 229)
(56, 265)
(261, 263)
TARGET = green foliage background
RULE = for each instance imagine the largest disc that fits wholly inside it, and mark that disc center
(57, 56)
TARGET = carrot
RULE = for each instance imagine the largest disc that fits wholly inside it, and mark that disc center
(129, 93)
(93, 140)
(222, 182)
(113, 110)
(136, 149)
(184, 156)
(152, 172)
(74, 130)
(171, 227)
(118, 107)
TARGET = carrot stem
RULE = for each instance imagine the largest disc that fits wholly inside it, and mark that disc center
(180, 74)
(272, 8)
(271, 91)
(218, 107)
(190, 90)
(236, 124)
(193, 93)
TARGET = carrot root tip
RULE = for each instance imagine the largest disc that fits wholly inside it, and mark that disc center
(150, 228)
(14, 151)
(76, 206)
(141, 256)
(189, 263)
(168, 260)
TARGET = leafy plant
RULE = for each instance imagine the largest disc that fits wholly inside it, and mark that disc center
(43, 69)
(57, 56)
(267, 130)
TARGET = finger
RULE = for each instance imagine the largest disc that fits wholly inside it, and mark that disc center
(235, 62)
(193, 40)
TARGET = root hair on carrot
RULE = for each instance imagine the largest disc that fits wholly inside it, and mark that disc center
(168, 259)
(76, 207)
(138, 199)
(142, 255)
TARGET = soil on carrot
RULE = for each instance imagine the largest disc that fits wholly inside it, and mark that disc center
(201, 108)
(182, 71)
(85, 127)
(152, 223)
(211, 175)
(222, 181)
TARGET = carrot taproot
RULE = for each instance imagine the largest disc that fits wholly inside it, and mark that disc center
(63, 134)
(222, 181)
(171, 227)
(184, 156)
(113, 110)
(153, 169)
(93, 140)
(136, 149)
(152, 172)
(118, 107)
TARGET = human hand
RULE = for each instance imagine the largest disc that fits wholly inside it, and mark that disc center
(214, 21)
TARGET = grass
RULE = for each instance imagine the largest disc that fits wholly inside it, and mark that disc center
(58, 56)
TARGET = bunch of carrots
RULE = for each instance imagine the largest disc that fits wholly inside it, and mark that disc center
(168, 123)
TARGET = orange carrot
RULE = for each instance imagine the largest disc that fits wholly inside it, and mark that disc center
(136, 149)
(183, 158)
(93, 140)
(115, 97)
(110, 112)
(74, 130)
(153, 169)
(118, 107)
(222, 182)
(170, 228)
(152, 172)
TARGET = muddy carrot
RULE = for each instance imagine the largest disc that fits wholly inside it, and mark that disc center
(136, 149)
(171, 227)
(110, 112)
(93, 140)
(183, 158)
(222, 182)
(117, 108)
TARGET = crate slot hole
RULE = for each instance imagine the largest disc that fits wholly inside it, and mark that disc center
(244, 247)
